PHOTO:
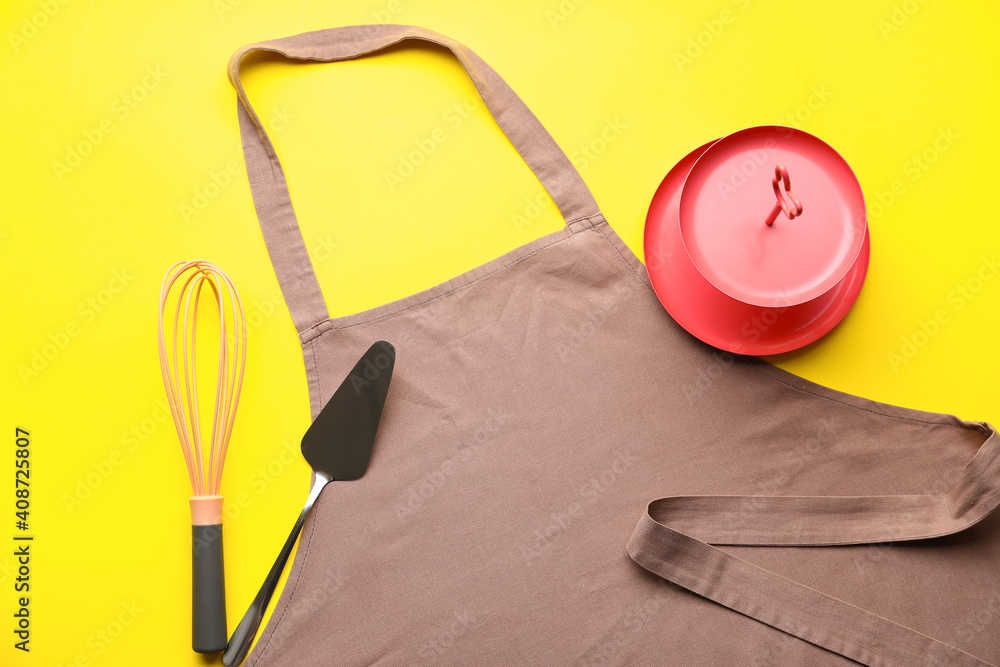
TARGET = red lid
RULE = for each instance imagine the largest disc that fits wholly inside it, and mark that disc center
(736, 324)
(733, 189)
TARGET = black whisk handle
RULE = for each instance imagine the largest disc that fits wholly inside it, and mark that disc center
(208, 613)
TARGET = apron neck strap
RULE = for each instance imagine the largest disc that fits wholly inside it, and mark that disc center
(267, 180)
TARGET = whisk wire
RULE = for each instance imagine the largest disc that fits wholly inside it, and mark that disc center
(234, 375)
(204, 465)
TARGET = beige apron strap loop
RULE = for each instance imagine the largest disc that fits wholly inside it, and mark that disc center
(267, 179)
(673, 540)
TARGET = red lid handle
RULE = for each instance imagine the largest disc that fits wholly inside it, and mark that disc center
(790, 206)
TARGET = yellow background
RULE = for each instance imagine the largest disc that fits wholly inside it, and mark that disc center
(892, 77)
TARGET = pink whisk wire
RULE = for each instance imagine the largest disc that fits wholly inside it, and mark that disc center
(206, 476)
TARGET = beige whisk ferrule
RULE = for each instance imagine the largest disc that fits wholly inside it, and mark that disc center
(206, 510)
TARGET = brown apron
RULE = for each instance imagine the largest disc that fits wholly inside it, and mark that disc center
(542, 400)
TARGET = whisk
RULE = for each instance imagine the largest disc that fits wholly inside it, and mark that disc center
(204, 464)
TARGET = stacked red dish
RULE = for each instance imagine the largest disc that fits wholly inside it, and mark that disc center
(757, 243)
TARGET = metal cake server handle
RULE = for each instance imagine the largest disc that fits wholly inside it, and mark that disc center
(239, 643)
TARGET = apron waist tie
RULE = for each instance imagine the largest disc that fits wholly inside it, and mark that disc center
(675, 536)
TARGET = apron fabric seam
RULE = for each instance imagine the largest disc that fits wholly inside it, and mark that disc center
(629, 264)
(291, 596)
(305, 554)
(594, 220)
(944, 422)
(319, 381)
(568, 235)
(585, 218)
